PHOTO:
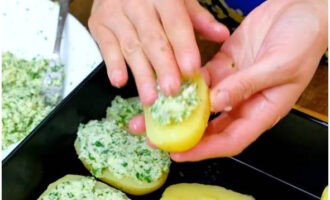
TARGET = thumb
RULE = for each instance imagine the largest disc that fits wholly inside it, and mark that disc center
(204, 22)
(242, 84)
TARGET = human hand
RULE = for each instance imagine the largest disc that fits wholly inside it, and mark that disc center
(259, 73)
(153, 37)
(262, 68)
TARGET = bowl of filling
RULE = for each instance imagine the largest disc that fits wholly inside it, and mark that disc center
(28, 39)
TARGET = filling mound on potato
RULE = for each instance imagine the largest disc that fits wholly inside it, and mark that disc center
(117, 157)
(171, 110)
(176, 124)
(80, 187)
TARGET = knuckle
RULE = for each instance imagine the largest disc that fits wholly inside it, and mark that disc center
(130, 46)
(92, 22)
(245, 89)
(158, 38)
(95, 28)
(104, 13)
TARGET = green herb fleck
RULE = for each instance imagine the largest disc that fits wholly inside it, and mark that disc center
(99, 144)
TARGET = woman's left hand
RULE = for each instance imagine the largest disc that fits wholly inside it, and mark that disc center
(259, 74)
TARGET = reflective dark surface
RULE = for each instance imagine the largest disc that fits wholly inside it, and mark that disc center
(290, 161)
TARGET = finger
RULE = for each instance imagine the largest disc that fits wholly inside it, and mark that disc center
(180, 33)
(218, 68)
(230, 141)
(150, 144)
(233, 132)
(204, 22)
(110, 50)
(206, 76)
(219, 123)
(135, 57)
(155, 44)
(220, 145)
(137, 125)
(242, 84)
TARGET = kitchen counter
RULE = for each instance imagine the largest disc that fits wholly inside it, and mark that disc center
(313, 101)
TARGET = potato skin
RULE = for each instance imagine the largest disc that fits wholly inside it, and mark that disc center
(126, 184)
(186, 134)
(200, 191)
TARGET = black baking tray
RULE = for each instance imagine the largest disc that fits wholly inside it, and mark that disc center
(290, 161)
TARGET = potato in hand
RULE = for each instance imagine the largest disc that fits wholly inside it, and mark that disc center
(177, 123)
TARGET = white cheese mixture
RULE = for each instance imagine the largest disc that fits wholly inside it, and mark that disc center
(167, 109)
(22, 105)
(84, 188)
(122, 110)
(107, 145)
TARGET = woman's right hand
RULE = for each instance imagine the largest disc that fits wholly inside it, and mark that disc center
(153, 37)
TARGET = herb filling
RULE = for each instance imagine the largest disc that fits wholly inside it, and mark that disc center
(107, 145)
(23, 106)
(168, 110)
(84, 188)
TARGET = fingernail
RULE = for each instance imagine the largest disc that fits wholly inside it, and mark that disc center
(115, 77)
(220, 101)
(216, 26)
(148, 94)
(220, 29)
(228, 108)
(170, 85)
(134, 126)
(189, 67)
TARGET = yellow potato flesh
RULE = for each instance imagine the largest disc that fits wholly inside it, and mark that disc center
(131, 186)
(325, 194)
(126, 184)
(181, 136)
(201, 192)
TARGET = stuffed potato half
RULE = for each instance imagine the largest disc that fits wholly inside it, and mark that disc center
(80, 187)
(126, 183)
(181, 136)
(112, 154)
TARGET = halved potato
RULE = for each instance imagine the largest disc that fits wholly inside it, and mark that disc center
(324, 195)
(126, 184)
(181, 136)
(58, 187)
(200, 191)
(112, 154)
